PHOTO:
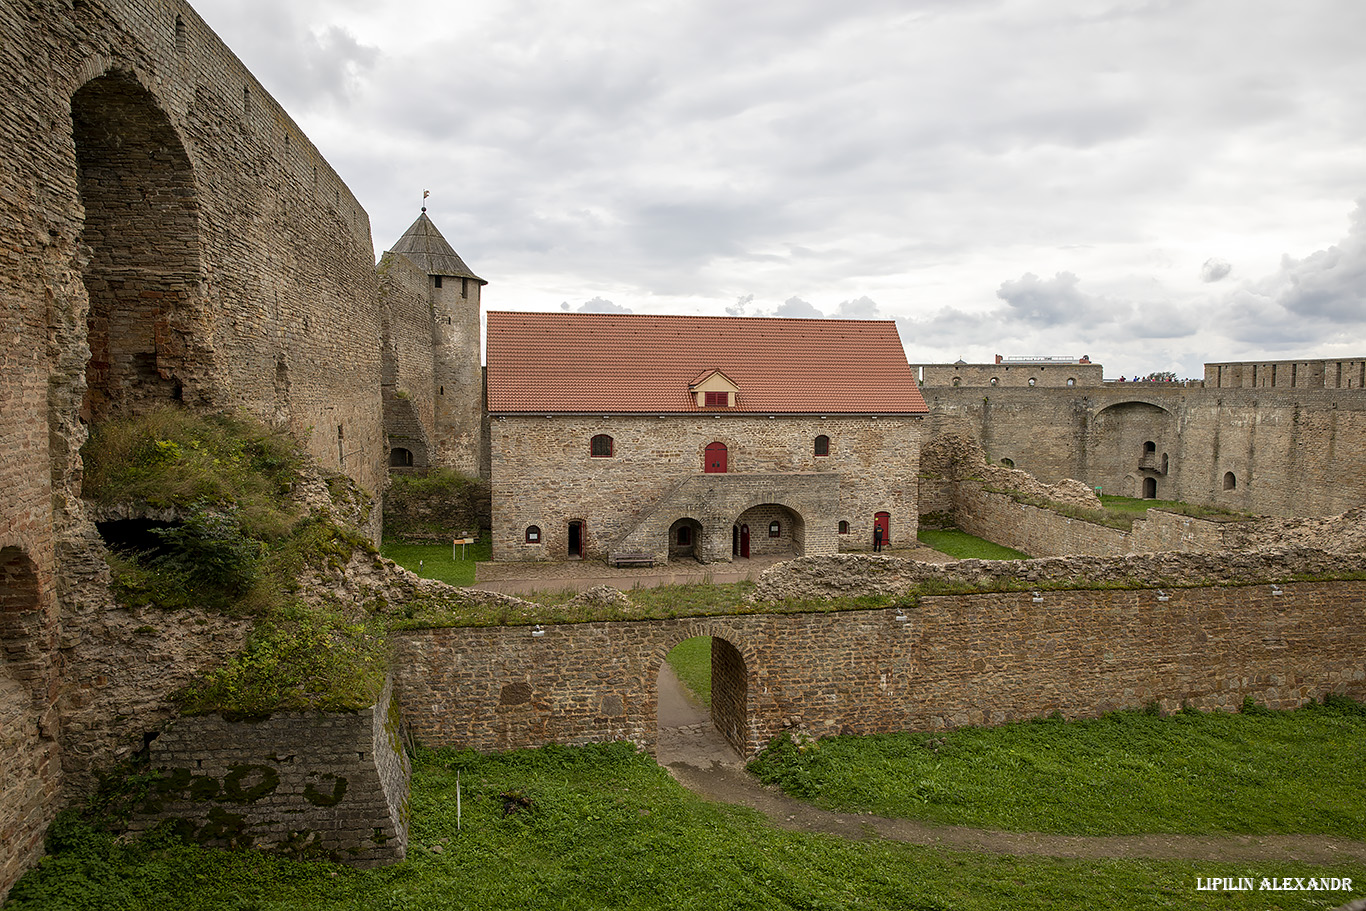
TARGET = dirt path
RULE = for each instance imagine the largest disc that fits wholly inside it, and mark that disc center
(702, 761)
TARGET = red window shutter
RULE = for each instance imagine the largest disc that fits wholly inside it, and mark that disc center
(718, 399)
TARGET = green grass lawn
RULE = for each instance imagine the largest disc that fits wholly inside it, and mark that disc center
(434, 561)
(964, 546)
(608, 828)
(1125, 773)
(691, 661)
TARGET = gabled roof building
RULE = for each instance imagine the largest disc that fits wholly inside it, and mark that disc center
(651, 438)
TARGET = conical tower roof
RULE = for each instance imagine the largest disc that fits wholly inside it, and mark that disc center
(424, 246)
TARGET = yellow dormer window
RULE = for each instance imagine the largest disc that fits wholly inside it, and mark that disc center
(713, 389)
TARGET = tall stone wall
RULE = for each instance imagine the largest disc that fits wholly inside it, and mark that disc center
(298, 784)
(1275, 451)
(544, 475)
(170, 235)
(950, 660)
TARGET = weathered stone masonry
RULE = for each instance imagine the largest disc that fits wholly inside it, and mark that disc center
(167, 233)
(297, 783)
(951, 660)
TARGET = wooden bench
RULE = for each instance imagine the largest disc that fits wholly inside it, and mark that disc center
(633, 560)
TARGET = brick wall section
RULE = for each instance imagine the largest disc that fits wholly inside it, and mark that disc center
(1292, 451)
(232, 269)
(543, 475)
(953, 660)
(296, 784)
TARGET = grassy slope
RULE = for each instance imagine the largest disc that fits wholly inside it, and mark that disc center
(610, 829)
(1126, 773)
(963, 546)
(691, 661)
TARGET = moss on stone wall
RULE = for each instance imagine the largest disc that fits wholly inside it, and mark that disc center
(435, 505)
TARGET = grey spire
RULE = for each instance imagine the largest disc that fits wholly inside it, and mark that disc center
(424, 246)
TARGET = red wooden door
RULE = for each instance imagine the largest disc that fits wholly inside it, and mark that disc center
(883, 520)
(744, 541)
(715, 462)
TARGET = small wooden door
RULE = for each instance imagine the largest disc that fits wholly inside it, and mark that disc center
(883, 520)
(744, 541)
(715, 462)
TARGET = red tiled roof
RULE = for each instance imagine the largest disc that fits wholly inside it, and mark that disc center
(611, 362)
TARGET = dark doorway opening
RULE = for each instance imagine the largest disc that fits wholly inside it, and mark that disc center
(1150, 488)
(744, 541)
(576, 540)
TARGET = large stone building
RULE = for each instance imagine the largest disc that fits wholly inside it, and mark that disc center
(714, 438)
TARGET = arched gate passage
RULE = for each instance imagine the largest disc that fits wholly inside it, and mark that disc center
(730, 703)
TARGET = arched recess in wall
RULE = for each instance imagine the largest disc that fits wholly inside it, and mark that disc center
(142, 227)
(21, 653)
(1230, 481)
(1122, 442)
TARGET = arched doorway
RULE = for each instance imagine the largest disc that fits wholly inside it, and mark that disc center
(703, 696)
(142, 227)
(1150, 488)
(882, 522)
(685, 537)
(771, 530)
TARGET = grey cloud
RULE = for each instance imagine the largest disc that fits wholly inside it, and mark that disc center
(1215, 269)
(1049, 302)
(796, 307)
(1325, 290)
(596, 305)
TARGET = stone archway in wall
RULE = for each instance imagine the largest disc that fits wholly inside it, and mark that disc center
(22, 656)
(773, 530)
(142, 227)
(684, 731)
(1128, 443)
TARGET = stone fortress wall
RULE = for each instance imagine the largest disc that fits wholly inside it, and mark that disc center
(171, 236)
(1178, 631)
(1274, 451)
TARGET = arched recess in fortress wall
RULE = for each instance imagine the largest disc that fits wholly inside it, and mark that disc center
(951, 660)
(142, 229)
(165, 222)
(1293, 451)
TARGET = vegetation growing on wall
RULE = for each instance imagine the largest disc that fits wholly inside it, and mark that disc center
(435, 505)
(963, 546)
(239, 547)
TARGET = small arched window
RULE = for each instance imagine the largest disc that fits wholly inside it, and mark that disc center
(775, 529)
(844, 528)
(400, 457)
(822, 445)
(957, 381)
(600, 447)
(1150, 446)
(1008, 463)
(1032, 381)
(533, 534)
(995, 381)
(1071, 381)
(1230, 481)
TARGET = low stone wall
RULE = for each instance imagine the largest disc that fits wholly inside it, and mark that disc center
(949, 660)
(297, 784)
(1038, 532)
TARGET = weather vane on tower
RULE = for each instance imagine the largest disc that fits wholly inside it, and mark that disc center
(425, 194)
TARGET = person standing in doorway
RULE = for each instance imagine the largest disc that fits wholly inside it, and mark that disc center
(877, 539)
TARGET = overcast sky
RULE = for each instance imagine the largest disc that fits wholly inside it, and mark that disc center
(1155, 184)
